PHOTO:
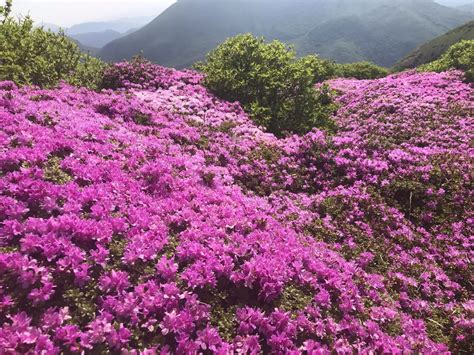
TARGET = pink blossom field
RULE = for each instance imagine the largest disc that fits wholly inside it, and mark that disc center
(155, 218)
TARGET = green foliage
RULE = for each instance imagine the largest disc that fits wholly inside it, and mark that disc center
(6, 10)
(275, 88)
(88, 73)
(83, 300)
(54, 173)
(222, 316)
(438, 325)
(295, 298)
(459, 56)
(143, 119)
(170, 248)
(360, 70)
(34, 56)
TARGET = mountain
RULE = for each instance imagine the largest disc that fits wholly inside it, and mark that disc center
(97, 39)
(466, 6)
(95, 35)
(455, 3)
(121, 26)
(382, 31)
(86, 49)
(469, 8)
(432, 50)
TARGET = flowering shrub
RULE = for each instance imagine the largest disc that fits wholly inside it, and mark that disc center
(161, 218)
(459, 56)
(142, 74)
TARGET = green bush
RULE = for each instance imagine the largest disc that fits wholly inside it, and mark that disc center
(360, 70)
(34, 56)
(88, 73)
(274, 87)
(459, 56)
(6, 10)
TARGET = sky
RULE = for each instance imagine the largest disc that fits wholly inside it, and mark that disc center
(69, 12)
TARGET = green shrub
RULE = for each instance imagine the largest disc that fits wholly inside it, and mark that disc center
(34, 56)
(6, 10)
(459, 56)
(360, 70)
(88, 73)
(274, 87)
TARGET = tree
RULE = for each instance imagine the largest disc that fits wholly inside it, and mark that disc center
(360, 70)
(275, 88)
(6, 10)
(34, 56)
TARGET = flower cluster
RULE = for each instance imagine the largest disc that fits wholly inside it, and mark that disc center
(159, 218)
(143, 75)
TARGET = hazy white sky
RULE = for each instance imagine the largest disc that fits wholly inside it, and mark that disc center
(69, 12)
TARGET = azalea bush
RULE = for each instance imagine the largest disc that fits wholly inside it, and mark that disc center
(140, 73)
(459, 56)
(274, 87)
(33, 56)
(360, 70)
(158, 218)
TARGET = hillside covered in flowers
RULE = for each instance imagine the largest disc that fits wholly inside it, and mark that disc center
(154, 216)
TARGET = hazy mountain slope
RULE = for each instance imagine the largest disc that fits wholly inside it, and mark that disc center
(121, 26)
(432, 50)
(344, 30)
(469, 8)
(462, 5)
(172, 39)
(86, 49)
(97, 39)
(380, 35)
(455, 3)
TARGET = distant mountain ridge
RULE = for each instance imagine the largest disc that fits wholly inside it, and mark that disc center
(97, 39)
(382, 31)
(121, 25)
(433, 49)
(466, 6)
(469, 8)
(94, 35)
(455, 3)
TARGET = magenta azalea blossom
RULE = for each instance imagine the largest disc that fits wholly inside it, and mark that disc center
(158, 218)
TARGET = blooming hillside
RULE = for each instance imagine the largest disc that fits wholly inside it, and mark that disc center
(158, 217)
